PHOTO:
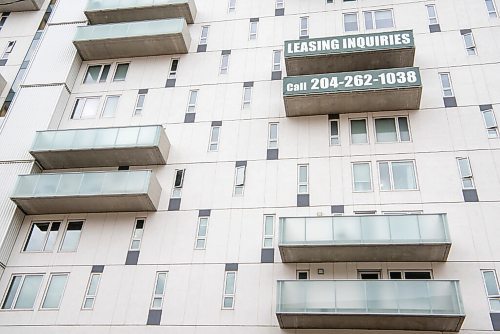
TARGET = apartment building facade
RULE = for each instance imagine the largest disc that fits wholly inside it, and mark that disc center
(254, 166)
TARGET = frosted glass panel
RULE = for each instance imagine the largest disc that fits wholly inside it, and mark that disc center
(105, 137)
(404, 227)
(375, 229)
(70, 183)
(127, 136)
(347, 229)
(319, 229)
(295, 230)
(147, 136)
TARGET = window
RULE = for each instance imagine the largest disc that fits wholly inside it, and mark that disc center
(96, 73)
(224, 64)
(304, 26)
(280, 4)
(334, 132)
(446, 84)
(247, 97)
(159, 292)
(172, 74)
(397, 175)
(470, 45)
(193, 97)
(369, 274)
(232, 6)
(465, 173)
(272, 140)
(389, 130)
(268, 238)
(350, 22)
(432, 14)
(55, 291)
(178, 182)
(303, 179)
(139, 104)
(91, 293)
(403, 274)
(302, 274)
(492, 290)
(72, 236)
(229, 290)
(277, 60)
(359, 132)
(214, 138)
(201, 233)
(361, 174)
(121, 72)
(239, 180)
(3, 18)
(135, 243)
(204, 35)
(8, 49)
(490, 122)
(253, 30)
(42, 237)
(490, 6)
(378, 19)
(85, 107)
(22, 292)
(110, 106)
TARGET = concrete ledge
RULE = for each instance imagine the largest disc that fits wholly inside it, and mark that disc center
(20, 5)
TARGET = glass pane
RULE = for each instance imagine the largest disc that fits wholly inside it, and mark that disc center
(431, 11)
(72, 237)
(381, 297)
(105, 72)
(469, 41)
(294, 230)
(200, 243)
(179, 175)
(121, 72)
(55, 291)
(319, 230)
(110, 107)
(157, 302)
(14, 285)
(63, 139)
(303, 174)
(230, 280)
(92, 74)
(89, 303)
(362, 177)
(115, 183)
(51, 240)
(432, 228)
(94, 283)
(368, 20)
(269, 225)
(70, 184)
(491, 283)
(37, 236)
(489, 118)
(215, 134)
(44, 140)
(334, 128)
(91, 183)
(467, 183)
(273, 131)
(90, 108)
(375, 229)
(350, 22)
(386, 130)
(445, 80)
(84, 138)
(228, 302)
(202, 229)
(495, 305)
(385, 179)
(464, 167)
(105, 137)
(358, 131)
(403, 174)
(140, 101)
(404, 228)
(148, 136)
(26, 185)
(135, 244)
(383, 19)
(28, 292)
(347, 229)
(240, 176)
(404, 132)
(268, 243)
(161, 280)
(350, 296)
(127, 136)
(47, 184)
(443, 297)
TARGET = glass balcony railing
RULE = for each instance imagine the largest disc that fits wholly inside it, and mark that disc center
(120, 4)
(365, 230)
(377, 296)
(50, 185)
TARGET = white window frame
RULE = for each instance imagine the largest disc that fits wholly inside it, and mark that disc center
(239, 187)
(18, 291)
(354, 180)
(432, 19)
(191, 105)
(494, 13)
(343, 21)
(105, 103)
(160, 296)
(372, 13)
(231, 6)
(398, 131)
(491, 297)
(85, 99)
(247, 102)
(334, 139)
(91, 296)
(177, 189)
(229, 295)
(204, 39)
(268, 237)
(279, 4)
(391, 177)
(252, 35)
(491, 131)
(403, 273)
(302, 183)
(172, 73)
(99, 78)
(369, 272)
(47, 290)
(134, 235)
(139, 109)
(304, 32)
(116, 70)
(463, 178)
(8, 49)
(66, 231)
(224, 64)
(366, 130)
(443, 88)
(199, 237)
(213, 144)
(470, 49)
(273, 143)
(298, 272)
(277, 65)
(50, 222)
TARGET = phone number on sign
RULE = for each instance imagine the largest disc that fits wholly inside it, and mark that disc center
(359, 80)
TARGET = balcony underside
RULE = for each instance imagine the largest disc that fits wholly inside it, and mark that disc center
(79, 204)
(3, 83)
(354, 101)
(186, 9)
(347, 62)
(20, 6)
(439, 323)
(365, 253)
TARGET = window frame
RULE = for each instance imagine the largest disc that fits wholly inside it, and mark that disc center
(239, 187)
(85, 98)
(444, 89)
(334, 137)
(398, 130)
(93, 296)
(374, 19)
(229, 295)
(305, 183)
(199, 237)
(8, 50)
(344, 23)
(252, 36)
(211, 140)
(224, 68)
(138, 110)
(18, 291)
(277, 65)
(268, 236)
(116, 70)
(302, 271)
(133, 237)
(66, 231)
(404, 271)
(494, 13)
(467, 177)
(177, 189)
(105, 103)
(470, 49)
(491, 297)
(191, 106)
(304, 32)
(44, 296)
(489, 128)
(429, 17)
(279, 4)
(204, 39)
(391, 174)
(28, 235)
(231, 6)
(246, 104)
(366, 130)
(99, 77)
(172, 73)
(272, 143)
(159, 296)
(354, 180)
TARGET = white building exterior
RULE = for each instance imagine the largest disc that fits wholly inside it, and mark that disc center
(218, 222)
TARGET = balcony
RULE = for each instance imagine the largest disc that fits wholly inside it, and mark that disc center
(117, 191)
(350, 53)
(416, 305)
(384, 238)
(3, 83)
(350, 92)
(20, 5)
(101, 147)
(114, 11)
(132, 39)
